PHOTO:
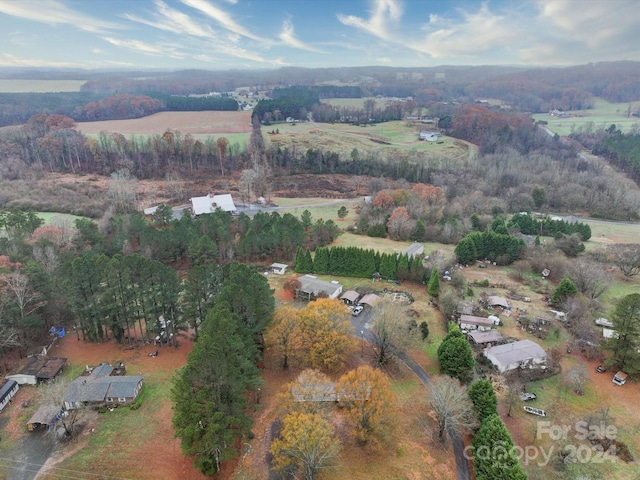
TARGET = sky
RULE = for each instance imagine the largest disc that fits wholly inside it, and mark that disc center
(267, 34)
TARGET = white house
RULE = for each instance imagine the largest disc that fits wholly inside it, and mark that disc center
(521, 354)
(429, 136)
(279, 268)
(210, 203)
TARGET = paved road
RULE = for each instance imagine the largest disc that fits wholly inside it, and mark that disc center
(362, 331)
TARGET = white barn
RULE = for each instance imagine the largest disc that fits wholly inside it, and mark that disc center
(210, 203)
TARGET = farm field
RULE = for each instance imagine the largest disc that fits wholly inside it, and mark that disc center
(39, 86)
(602, 115)
(194, 123)
(390, 139)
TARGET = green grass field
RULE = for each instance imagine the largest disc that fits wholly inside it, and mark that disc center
(602, 115)
(40, 86)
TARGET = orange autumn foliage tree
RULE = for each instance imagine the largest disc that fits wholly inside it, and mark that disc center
(366, 395)
(307, 444)
(383, 200)
(399, 224)
(325, 334)
(282, 333)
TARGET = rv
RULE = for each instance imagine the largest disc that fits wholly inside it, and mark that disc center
(619, 378)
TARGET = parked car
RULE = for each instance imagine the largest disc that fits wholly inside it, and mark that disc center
(525, 397)
(601, 369)
(357, 310)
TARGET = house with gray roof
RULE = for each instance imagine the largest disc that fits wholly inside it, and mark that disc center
(101, 388)
(483, 338)
(414, 250)
(312, 287)
(8, 389)
(521, 354)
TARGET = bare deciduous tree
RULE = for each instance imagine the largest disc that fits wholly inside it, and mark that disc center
(22, 293)
(590, 278)
(577, 377)
(123, 191)
(451, 406)
(46, 256)
(626, 258)
(392, 333)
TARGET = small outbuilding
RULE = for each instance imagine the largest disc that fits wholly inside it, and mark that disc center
(39, 369)
(496, 301)
(350, 297)
(484, 338)
(470, 322)
(279, 268)
(521, 354)
(370, 299)
(45, 416)
(7, 391)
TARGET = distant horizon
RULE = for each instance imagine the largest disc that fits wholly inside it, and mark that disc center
(223, 35)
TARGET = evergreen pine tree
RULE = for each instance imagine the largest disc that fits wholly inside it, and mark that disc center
(433, 286)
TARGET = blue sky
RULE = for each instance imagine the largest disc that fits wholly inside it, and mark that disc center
(228, 34)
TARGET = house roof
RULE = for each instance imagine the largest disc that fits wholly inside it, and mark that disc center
(472, 320)
(44, 415)
(100, 384)
(209, 203)
(490, 336)
(350, 295)
(465, 307)
(313, 285)
(279, 265)
(414, 249)
(516, 352)
(6, 387)
(43, 368)
(370, 299)
(495, 300)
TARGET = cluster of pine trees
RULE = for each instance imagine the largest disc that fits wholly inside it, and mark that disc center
(548, 227)
(497, 247)
(359, 262)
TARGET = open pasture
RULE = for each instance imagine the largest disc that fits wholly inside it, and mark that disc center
(39, 86)
(207, 122)
(390, 139)
(602, 115)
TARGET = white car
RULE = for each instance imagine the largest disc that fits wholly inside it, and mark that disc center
(357, 310)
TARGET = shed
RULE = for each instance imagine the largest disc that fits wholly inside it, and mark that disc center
(521, 354)
(469, 322)
(496, 301)
(609, 333)
(39, 369)
(370, 299)
(210, 203)
(7, 391)
(45, 416)
(414, 250)
(482, 338)
(312, 287)
(279, 268)
(350, 297)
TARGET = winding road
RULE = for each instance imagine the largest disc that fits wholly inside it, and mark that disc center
(362, 331)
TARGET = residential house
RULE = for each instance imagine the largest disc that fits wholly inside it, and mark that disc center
(210, 203)
(470, 322)
(279, 268)
(487, 337)
(429, 136)
(39, 369)
(520, 354)
(101, 388)
(414, 250)
(350, 297)
(312, 287)
(7, 391)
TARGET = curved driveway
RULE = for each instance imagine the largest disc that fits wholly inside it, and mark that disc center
(362, 331)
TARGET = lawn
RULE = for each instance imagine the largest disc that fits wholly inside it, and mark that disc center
(602, 115)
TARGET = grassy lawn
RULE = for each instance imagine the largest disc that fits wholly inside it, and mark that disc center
(602, 115)
(53, 217)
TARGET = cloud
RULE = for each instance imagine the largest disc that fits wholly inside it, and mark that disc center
(172, 20)
(385, 12)
(53, 12)
(288, 36)
(476, 33)
(223, 18)
(146, 48)
(595, 24)
(8, 60)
